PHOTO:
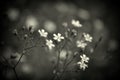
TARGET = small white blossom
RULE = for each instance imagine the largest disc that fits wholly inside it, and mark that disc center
(84, 58)
(87, 37)
(76, 23)
(58, 37)
(42, 33)
(81, 44)
(82, 65)
(50, 44)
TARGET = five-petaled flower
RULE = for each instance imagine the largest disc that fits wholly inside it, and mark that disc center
(76, 23)
(50, 44)
(82, 65)
(42, 33)
(84, 58)
(87, 37)
(81, 44)
(58, 37)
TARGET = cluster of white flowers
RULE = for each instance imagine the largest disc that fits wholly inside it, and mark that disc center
(76, 23)
(80, 43)
(83, 43)
(58, 37)
(84, 60)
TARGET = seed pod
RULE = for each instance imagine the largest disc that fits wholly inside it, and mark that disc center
(66, 34)
(23, 28)
(15, 32)
(74, 33)
(76, 53)
(30, 28)
(25, 36)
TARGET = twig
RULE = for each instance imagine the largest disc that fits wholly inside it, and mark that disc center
(57, 66)
(15, 73)
(5, 59)
(19, 60)
(98, 42)
(64, 69)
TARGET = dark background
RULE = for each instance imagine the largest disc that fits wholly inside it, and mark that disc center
(111, 17)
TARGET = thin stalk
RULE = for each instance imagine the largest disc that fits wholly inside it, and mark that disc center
(64, 69)
(58, 60)
(15, 73)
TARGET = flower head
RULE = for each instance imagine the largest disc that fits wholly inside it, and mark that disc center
(82, 65)
(84, 58)
(42, 33)
(87, 37)
(58, 37)
(76, 23)
(50, 44)
(81, 44)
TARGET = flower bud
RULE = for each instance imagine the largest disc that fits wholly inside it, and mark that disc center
(54, 71)
(74, 33)
(23, 28)
(15, 32)
(25, 36)
(76, 53)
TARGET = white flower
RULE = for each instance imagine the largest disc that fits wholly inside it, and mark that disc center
(82, 65)
(81, 44)
(42, 33)
(50, 44)
(87, 37)
(76, 23)
(58, 37)
(84, 58)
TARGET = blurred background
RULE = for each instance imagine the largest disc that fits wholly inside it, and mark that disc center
(98, 17)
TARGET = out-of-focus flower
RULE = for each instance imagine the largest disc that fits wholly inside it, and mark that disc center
(58, 37)
(50, 44)
(74, 32)
(26, 68)
(76, 23)
(84, 58)
(42, 33)
(98, 25)
(31, 23)
(87, 37)
(65, 24)
(50, 26)
(13, 14)
(81, 44)
(84, 14)
(82, 65)
(63, 54)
